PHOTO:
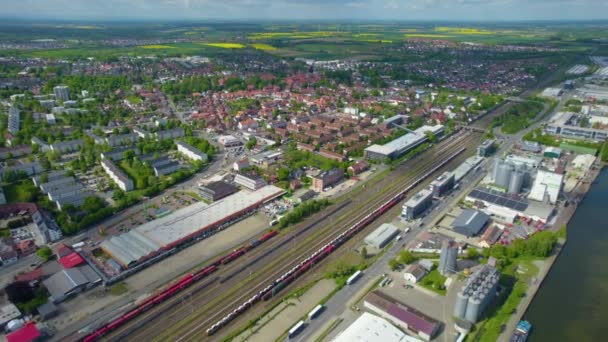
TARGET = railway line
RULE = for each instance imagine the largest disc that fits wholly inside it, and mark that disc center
(202, 298)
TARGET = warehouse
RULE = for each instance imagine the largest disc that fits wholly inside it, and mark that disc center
(371, 328)
(69, 282)
(402, 145)
(381, 236)
(506, 208)
(547, 187)
(404, 316)
(198, 220)
(470, 222)
(417, 204)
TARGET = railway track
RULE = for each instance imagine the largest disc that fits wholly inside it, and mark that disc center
(150, 325)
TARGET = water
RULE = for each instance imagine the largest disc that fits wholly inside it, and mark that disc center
(572, 304)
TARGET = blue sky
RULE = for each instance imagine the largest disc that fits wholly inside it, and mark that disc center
(452, 10)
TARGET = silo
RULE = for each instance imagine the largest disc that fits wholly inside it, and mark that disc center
(517, 181)
(460, 307)
(503, 175)
(497, 163)
(473, 308)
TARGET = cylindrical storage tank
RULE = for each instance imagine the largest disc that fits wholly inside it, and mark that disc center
(517, 182)
(497, 163)
(473, 308)
(503, 175)
(460, 308)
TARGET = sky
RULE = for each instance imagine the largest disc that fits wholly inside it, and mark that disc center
(448, 10)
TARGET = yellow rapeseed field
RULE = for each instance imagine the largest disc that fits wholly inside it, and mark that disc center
(263, 47)
(226, 45)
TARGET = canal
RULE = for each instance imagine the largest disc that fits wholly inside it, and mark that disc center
(572, 304)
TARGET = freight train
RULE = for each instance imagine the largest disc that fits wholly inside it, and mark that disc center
(181, 284)
(271, 290)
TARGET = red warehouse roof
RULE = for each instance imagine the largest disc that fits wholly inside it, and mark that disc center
(71, 260)
(26, 334)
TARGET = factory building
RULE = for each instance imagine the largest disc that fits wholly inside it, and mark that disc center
(447, 259)
(381, 236)
(506, 208)
(486, 148)
(477, 294)
(567, 124)
(470, 222)
(442, 184)
(417, 204)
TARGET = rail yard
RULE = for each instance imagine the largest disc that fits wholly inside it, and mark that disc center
(279, 262)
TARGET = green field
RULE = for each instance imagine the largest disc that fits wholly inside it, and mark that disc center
(327, 40)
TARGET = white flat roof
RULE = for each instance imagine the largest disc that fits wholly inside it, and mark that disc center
(546, 183)
(191, 219)
(371, 328)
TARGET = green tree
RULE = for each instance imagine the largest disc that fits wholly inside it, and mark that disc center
(45, 253)
(364, 252)
(283, 174)
(251, 143)
(393, 264)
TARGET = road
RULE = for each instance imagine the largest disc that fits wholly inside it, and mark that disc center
(199, 300)
(338, 307)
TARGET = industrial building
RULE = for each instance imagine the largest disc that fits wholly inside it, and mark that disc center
(195, 221)
(470, 222)
(547, 187)
(217, 190)
(326, 179)
(402, 145)
(442, 184)
(381, 236)
(418, 204)
(477, 294)
(486, 148)
(403, 315)
(448, 257)
(506, 208)
(191, 151)
(371, 328)
(567, 124)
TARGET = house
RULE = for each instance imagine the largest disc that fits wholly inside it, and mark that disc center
(413, 273)
(240, 165)
(8, 254)
(490, 236)
(25, 247)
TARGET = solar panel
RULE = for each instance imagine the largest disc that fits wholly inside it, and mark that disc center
(498, 198)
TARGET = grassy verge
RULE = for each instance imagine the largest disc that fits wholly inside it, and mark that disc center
(329, 329)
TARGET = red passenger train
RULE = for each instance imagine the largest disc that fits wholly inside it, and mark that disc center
(170, 291)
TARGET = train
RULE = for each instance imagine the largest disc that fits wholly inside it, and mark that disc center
(175, 288)
(280, 283)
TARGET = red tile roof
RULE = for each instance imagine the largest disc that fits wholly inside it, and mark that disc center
(29, 276)
(26, 334)
(71, 260)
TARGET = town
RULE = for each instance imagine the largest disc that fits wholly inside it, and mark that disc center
(250, 193)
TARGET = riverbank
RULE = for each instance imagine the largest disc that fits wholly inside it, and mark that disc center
(564, 217)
